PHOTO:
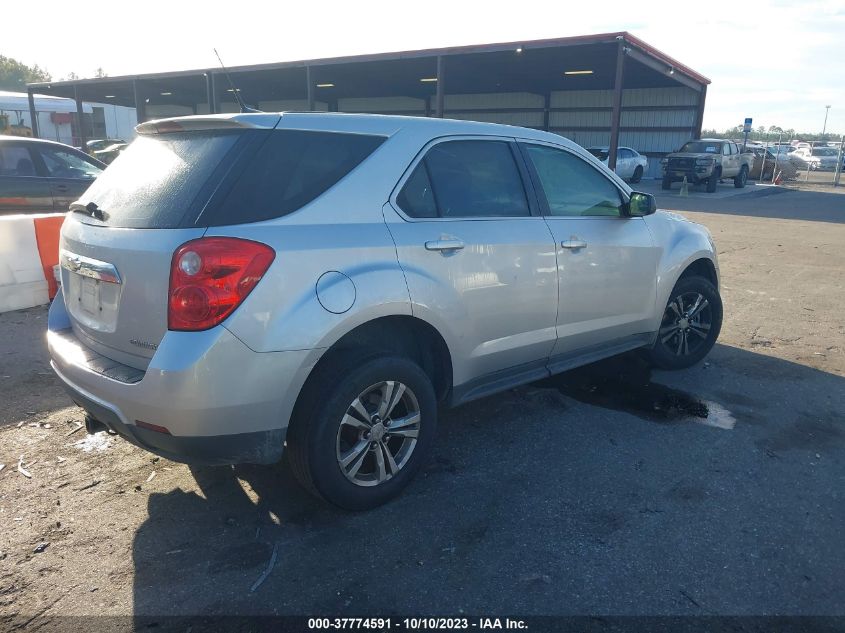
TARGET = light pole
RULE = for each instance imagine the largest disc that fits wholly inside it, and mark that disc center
(824, 127)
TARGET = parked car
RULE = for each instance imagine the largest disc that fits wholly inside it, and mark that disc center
(707, 161)
(323, 282)
(38, 176)
(111, 152)
(630, 164)
(770, 161)
(815, 158)
(100, 144)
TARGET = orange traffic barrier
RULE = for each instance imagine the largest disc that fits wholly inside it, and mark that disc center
(47, 237)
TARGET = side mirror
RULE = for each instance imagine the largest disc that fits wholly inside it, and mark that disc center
(641, 204)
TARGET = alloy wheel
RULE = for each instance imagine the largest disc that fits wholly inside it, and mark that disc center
(686, 323)
(378, 433)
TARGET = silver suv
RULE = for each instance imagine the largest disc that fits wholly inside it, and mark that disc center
(236, 285)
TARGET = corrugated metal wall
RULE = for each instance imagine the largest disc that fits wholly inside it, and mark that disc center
(654, 121)
(662, 118)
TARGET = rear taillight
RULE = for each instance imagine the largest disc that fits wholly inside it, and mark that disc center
(210, 277)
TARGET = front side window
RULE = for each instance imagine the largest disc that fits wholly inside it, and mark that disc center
(465, 179)
(573, 187)
(625, 153)
(63, 164)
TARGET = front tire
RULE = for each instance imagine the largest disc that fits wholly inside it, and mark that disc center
(361, 429)
(690, 326)
(638, 174)
(713, 181)
(741, 178)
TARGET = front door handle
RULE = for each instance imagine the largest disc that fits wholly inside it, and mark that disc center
(573, 243)
(444, 245)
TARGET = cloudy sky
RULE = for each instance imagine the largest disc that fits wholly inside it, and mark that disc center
(780, 62)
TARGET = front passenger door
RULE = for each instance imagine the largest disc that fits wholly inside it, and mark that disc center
(607, 262)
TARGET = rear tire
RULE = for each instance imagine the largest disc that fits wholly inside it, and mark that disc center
(638, 174)
(741, 178)
(347, 444)
(666, 184)
(690, 326)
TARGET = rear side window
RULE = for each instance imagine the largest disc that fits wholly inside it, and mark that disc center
(290, 170)
(15, 161)
(466, 179)
(155, 182)
(417, 196)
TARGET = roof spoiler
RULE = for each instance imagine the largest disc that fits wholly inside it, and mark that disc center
(209, 122)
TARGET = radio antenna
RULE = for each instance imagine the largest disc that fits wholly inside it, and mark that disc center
(244, 107)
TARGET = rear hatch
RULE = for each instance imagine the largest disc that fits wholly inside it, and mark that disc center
(117, 244)
(179, 177)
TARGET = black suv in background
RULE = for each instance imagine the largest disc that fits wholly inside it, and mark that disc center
(38, 176)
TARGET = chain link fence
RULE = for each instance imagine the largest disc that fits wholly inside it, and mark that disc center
(793, 161)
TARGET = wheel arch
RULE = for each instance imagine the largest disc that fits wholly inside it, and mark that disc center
(402, 334)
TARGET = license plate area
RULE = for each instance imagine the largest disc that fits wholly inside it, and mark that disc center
(89, 296)
(93, 303)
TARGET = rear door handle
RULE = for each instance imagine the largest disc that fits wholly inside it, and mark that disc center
(573, 243)
(444, 245)
(61, 188)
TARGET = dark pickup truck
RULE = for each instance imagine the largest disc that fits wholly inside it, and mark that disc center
(707, 160)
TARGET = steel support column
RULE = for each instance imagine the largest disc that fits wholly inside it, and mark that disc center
(211, 93)
(140, 104)
(616, 115)
(33, 115)
(699, 115)
(546, 106)
(309, 95)
(80, 118)
(441, 78)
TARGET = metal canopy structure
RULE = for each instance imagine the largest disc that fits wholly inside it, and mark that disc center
(578, 86)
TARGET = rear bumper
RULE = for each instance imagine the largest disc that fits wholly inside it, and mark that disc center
(259, 447)
(219, 401)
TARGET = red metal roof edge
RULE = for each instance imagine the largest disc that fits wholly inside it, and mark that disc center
(598, 38)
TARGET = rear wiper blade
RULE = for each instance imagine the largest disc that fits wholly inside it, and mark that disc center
(88, 209)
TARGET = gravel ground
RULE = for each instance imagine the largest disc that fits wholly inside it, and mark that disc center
(608, 490)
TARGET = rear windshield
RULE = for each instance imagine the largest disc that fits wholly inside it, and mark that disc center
(601, 154)
(168, 180)
(155, 181)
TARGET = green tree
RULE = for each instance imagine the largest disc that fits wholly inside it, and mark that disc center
(100, 73)
(14, 75)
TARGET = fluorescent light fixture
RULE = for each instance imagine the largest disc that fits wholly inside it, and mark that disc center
(671, 70)
(519, 49)
(109, 96)
(428, 79)
(166, 94)
(578, 72)
(325, 85)
(230, 90)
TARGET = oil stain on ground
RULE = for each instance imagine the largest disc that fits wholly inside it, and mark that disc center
(623, 383)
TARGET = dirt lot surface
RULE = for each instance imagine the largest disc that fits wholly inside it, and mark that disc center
(609, 490)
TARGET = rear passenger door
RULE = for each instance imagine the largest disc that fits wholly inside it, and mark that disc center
(607, 262)
(478, 258)
(22, 189)
(70, 174)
